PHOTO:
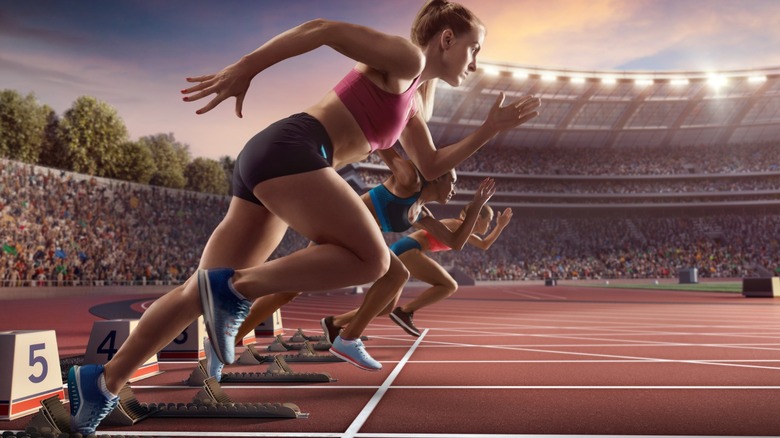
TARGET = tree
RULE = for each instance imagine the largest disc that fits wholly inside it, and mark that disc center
(205, 175)
(92, 133)
(170, 157)
(134, 163)
(53, 150)
(22, 123)
(228, 165)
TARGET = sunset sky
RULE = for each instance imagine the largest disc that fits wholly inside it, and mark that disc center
(134, 55)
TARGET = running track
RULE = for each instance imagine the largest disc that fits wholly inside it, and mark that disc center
(496, 361)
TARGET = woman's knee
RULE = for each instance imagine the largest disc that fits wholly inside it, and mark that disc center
(375, 264)
(450, 285)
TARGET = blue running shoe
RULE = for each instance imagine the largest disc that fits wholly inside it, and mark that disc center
(355, 353)
(223, 311)
(88, 405)
(213, 365)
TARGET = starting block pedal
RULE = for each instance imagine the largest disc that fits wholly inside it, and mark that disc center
(278, 372)
(29, 371)
(106, 338)
(251, 356)
(279, 345)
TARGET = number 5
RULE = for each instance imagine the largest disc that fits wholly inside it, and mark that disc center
(38, 360)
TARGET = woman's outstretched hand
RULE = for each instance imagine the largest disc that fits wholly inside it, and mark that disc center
(231, 81)
(485, 191)
(516, 113)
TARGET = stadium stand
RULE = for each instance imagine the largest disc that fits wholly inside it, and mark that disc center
(623, 175)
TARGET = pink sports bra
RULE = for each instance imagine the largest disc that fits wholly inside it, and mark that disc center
(381, 115)
(433, 243)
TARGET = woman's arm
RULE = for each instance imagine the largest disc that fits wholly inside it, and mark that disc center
(417, 141)
(405, 179)
(502, 220)
(389, 54)
(457, 239)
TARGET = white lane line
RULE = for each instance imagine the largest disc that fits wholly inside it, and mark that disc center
(371, 405)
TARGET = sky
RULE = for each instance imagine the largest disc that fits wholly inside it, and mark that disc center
(134, 55)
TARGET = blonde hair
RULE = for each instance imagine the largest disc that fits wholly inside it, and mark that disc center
(433, 17)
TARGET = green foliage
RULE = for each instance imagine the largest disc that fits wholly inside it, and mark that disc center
(135, 163)
(22, 124)
(171, 158)
(53, 151)
(91, 138)
(205, 175)
(92, 133)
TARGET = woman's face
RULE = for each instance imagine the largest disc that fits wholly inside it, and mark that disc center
(460, 55)
(483, 222)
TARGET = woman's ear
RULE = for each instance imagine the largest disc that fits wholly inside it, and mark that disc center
(447, 39)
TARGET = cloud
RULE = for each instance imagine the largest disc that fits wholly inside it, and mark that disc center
(641, 34)
(16, 30)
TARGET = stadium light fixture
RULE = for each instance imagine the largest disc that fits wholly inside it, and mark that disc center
(577, 80)
(491, 71)
(716, 81)
(756, 79)
(520, 74)
(608, 80)
(679, 81)
(643, 82)
(547, 77)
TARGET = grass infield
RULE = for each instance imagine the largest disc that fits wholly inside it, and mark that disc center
(734, 286)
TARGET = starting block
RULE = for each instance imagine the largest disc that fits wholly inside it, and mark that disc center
(251, 356)
(300, 336)
(106, 338)
(279, 345)
(210, 402)
(278, 372)
(271, 326)
(29, 371)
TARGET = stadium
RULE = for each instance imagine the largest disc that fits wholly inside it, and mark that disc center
(577, 321)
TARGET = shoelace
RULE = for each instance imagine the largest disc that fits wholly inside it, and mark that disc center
(360, 349)
(235, 320)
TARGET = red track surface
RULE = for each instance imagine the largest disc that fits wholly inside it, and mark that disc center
(509, 359)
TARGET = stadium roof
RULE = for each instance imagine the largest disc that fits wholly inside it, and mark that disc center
(617, 109)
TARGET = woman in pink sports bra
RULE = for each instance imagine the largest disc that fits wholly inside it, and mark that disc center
(286, 177)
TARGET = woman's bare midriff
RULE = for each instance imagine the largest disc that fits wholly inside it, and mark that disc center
(349, 142)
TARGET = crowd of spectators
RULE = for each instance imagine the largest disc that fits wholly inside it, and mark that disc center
(718, 246)
(61, 228)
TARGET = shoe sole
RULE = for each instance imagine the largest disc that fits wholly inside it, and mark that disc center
(349, 360)
(403, 325)
(207, 346)
(73, 376)
(207, 303)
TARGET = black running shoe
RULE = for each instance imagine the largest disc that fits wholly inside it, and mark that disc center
(331, 330)
(404, 319)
